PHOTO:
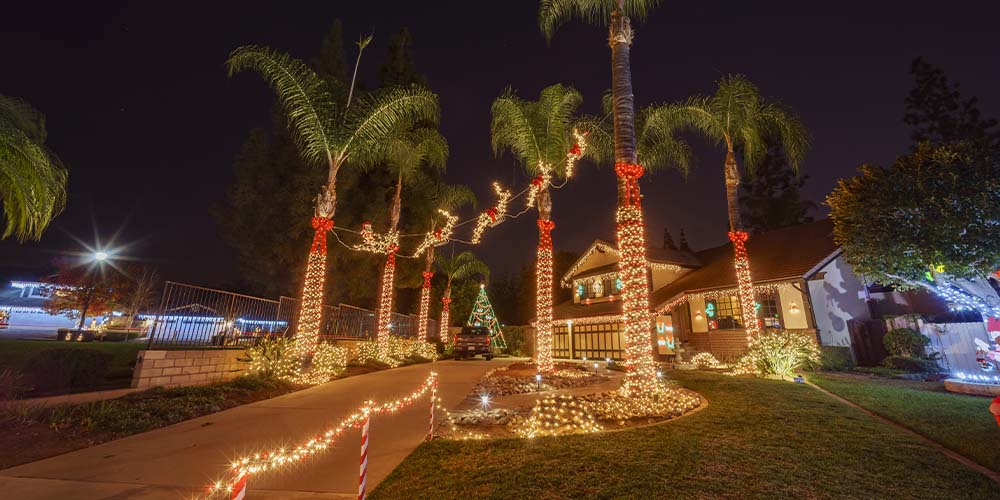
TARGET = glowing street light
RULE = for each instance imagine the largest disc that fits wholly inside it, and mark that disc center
(100, 256)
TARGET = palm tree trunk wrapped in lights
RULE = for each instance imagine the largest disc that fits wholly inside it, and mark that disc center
(538, 133)
(445, 317)
(543, 309)
(425, 304)
(385, 303)
(311, 310)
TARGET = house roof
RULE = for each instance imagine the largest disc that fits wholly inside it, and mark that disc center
(653, 254)
(569, 310)
(778, 255)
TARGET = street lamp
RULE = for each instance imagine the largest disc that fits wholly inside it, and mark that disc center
(99, 257)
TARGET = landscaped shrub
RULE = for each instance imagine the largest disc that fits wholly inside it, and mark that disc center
(401, 351)
(60, 369)
(274, 357)
(330, 360)
(912, 365)
(11, 385)
(779, 353)
(836, 358)
(704, 360)
(518, 341)
(906, 342)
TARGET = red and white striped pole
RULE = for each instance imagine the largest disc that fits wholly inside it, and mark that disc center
(430, 429)
(240, 488)
(362, 481)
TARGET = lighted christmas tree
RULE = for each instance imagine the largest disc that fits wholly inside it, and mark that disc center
(483, 315)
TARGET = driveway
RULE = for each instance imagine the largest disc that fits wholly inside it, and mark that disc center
(179, 460)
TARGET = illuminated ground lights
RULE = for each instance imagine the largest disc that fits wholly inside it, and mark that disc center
(744, 283)
(278, 458)
(311, 311)
(640, 376)
(543, 297)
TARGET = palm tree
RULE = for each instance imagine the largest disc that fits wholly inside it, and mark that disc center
(32, 179)
(457, 268)
(448, 198)
(538, 133)
(332, 130)
(739, 118)
(407, 154)
(617, 15)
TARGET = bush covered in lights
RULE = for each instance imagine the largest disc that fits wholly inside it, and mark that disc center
(274, 358)
(779, 353)
(704, 360)
(400, 351)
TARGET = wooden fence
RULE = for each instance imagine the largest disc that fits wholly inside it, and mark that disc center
(955, 342)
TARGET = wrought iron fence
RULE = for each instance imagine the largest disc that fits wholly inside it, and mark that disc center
(195, 315)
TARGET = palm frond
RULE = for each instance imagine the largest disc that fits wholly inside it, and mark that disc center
(451, 197)
(657, 145)
(552, 14)
(512, 127)
(406, 153)
(32, 179)
(600, 138)
(372, 119)
(306, 98)
(461, 266)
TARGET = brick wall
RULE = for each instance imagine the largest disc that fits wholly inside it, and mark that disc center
(187, 367)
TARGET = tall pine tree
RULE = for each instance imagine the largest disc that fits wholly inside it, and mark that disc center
(772, 197)
(938, 114)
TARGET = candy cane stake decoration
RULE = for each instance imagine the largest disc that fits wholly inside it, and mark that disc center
(240, 488)
(362, 481)
(430, 430)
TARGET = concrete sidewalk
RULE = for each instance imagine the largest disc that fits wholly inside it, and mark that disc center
(178, 461)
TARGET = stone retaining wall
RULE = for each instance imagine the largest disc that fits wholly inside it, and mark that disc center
(175, 368)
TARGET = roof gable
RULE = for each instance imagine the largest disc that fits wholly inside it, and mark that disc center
(662, 256)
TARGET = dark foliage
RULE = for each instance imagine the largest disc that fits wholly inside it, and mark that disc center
(905, 342)
(59, 369)
(772, 197)
(940, 115)
(912, 365)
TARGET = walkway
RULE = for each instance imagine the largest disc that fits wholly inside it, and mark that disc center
(176, 461)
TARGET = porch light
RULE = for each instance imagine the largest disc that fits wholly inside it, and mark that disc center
(697, 315)
(793, 308)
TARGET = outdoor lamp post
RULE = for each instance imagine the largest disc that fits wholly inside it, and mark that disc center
(99, 257)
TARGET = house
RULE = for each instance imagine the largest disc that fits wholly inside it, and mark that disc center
(22, 304)
(801, 279)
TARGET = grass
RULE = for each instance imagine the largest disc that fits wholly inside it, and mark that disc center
(14, 353)
(31, 432)
(757, 439)
(957, 421)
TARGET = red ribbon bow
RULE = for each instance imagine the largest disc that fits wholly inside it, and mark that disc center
(575, 150)
(545, 227)
(427, 278)
(492, 212)
(321, 225)
(631, 173)
(537, 181)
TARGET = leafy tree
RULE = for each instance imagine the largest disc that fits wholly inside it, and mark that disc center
(74, 280)
(539, 136)
(938, 113)
(331, 62)
(617, 15)
(930, 220)
(772, 198)
(32, 179)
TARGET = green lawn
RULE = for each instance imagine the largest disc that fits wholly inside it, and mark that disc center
(14, 353)
(959, 422)
(757, 439)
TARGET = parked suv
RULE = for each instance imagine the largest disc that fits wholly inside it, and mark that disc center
(474, 340)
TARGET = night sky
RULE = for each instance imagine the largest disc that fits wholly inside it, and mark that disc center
(140, 109)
